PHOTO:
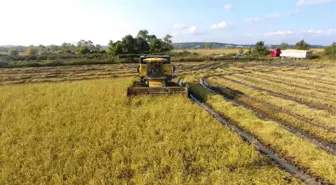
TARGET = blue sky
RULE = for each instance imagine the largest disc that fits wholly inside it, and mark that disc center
(240, 21)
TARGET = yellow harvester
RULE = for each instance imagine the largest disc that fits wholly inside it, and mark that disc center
(156, 75)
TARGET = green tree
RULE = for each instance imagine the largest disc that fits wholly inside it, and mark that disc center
(284, 45)
(41, 49)
(142, 46)
(249, 52)
(115, 48)
(167, 44)
(260, 48)
(155, 46)
(98, 48)
(143, 34)
(241, 50)
(54, 48)
(31, 50)
(166, 47)
(67, 48)
(150, 38)
(160, 46)
(168, 39)
(207, 45)
(110, 44)
(330, 51)
(85, 47)
(128, 45)
(302, 45)
(13, 52)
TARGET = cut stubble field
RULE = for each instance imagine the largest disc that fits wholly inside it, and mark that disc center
(84, 130)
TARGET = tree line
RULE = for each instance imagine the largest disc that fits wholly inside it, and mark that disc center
(143, 43)
(261, 50)
(82, 47)
(302, 45)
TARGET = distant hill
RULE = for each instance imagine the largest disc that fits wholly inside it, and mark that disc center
(196, 45)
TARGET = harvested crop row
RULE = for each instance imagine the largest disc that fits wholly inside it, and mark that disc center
(64, 73)
(201, 66)
(319, 73)
(329, 100)
(312, 102)
(300, 83)
(306, 178)
(64, 79)
(287, 145)
(325, 80)
(324, 135)
(319, 116)
(68, 69)
(70, 75)
(89, 132)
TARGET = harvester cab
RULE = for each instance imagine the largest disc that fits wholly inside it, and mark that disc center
(156, 75)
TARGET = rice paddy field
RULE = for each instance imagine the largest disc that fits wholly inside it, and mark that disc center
(75, 125)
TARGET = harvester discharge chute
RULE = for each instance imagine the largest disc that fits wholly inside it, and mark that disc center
(156, 74)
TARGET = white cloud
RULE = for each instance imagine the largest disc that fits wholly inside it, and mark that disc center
(178, 26)
(292, 36)
(281, 33)
(265, 17)
(320, 32)
(191, 29)
(313, 32)
(272, 15)
(252, 35)
(292, 12)
(228, 6)
(312, 2)
(181, 29)
(221, 25)
(252, 19)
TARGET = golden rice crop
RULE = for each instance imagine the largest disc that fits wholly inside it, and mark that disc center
(89, 132)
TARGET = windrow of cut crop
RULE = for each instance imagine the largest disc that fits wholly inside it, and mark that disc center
(286, 144)
(62, 77)
(329, 100)
(325, 135)
(71, 74)
(319, 73)
(325, 80)
(299, 83)
(319, 117)
(305, 99)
